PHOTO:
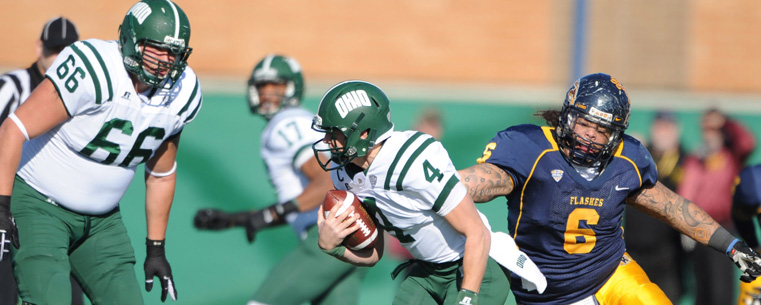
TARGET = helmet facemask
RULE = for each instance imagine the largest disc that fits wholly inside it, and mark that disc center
(165, 73)
(280, 70)
(155, 24)
(345, 144)
(601, 100)
(583, 151)
(266, 109)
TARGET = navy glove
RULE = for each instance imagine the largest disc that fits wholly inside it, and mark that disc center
(157, 265)
(746, 259)
(8, 232)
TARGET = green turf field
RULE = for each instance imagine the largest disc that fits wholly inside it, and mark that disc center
(219, 166)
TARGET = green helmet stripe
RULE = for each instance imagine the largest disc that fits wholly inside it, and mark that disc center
(176, 19)
(91, 71)
(412, 158)
(267, 62)
(392, 167)
(105, 69)
(445, 193)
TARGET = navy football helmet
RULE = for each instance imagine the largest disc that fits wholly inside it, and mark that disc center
(601, 99)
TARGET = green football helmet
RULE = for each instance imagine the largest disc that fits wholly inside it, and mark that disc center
(276, 69)
(351, 108)
(158, 23)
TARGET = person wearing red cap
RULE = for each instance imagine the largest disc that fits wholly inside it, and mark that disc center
(15, 87)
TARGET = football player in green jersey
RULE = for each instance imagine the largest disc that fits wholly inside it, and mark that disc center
(275, 89)
(409, 185)
(68, 154)
(566, 187)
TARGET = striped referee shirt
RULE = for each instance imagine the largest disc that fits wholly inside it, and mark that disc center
(15, 88)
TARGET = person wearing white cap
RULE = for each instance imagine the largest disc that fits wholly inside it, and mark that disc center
(15, 87)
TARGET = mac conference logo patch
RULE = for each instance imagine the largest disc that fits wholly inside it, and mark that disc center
(373, 180)
(557, 174)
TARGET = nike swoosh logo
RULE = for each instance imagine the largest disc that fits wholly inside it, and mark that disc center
(621, 188)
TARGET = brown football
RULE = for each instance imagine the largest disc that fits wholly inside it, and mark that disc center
(367, 233)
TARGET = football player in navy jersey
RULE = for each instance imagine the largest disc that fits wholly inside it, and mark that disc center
(566, 185)
(746, 204)
(410, 187)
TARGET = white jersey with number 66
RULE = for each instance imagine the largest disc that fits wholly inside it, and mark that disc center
(87, 163)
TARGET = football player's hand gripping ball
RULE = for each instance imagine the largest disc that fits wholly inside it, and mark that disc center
(747, 260)
(156, 265)
(8, 232)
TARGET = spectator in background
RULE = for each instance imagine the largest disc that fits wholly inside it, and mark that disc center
(708, 181)
(654, 244)
(429, 121)
(15, 87)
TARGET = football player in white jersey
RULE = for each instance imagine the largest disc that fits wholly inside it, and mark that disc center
(275, 88)
(15, 88)
(410, 186)
(104, 108)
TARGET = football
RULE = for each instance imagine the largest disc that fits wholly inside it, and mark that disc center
(365, 236)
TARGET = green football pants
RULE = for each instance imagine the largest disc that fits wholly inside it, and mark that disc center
(308, 275)
(437, 284)
(55, 242)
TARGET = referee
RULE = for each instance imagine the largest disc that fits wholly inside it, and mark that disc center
(15, 87)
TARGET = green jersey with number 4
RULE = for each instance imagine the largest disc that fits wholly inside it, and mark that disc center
(86, 163)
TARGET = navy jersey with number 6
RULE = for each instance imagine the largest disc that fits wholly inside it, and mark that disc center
(570, 227)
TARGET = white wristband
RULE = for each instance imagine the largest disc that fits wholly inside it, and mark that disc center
(155, 174)
(20, 125)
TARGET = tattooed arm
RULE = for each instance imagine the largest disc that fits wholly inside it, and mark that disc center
(486, 181)
(680, 213)
(691, 220)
